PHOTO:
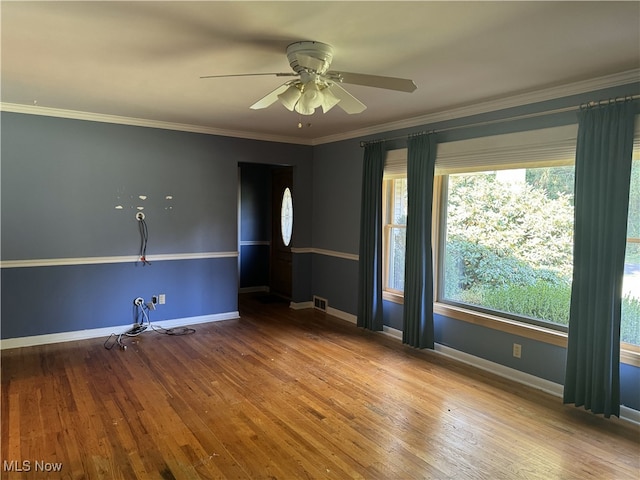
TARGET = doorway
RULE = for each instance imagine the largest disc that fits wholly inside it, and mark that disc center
(282, 226)
(265, 260)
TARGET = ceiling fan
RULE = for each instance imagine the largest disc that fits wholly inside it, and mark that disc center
(316, 85)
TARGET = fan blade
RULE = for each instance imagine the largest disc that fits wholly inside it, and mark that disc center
(348, 102)
(390, 83)
(270, 98)
(291, 74)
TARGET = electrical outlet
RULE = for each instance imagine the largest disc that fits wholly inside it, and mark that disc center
(517, 350)
(154, 299)
(162, 299)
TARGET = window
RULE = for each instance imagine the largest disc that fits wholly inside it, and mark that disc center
(394, 231)
(508, 242)
(286, 217)
(503, 231)
(630, 325)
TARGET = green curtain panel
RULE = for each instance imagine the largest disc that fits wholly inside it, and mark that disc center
(370, 260)
(418, 275)
(602, 178)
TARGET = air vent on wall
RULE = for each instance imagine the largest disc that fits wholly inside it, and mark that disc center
(320, 303)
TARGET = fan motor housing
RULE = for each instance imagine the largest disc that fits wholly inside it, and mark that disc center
(318, 50)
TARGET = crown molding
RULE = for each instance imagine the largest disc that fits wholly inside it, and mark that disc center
(552, 93)
(142, 122)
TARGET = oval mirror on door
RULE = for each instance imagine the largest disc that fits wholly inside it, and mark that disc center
(286, 217)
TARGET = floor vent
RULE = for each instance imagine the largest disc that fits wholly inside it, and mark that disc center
(320, 303)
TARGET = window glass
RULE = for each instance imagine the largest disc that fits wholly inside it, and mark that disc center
(395, 232)
(286, 217)
(509, 242)
(630, 327)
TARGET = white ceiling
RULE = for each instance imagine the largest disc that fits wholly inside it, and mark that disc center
(143, 59)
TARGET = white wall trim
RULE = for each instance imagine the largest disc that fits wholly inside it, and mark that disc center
(328, 253)
(333, 253)
(629, 414)
(392, 332)
(301, 250)
(57, 262)
(300, 305)
(106, 331)
(144, 122)
(584, 86)
(342, 315)
(334, 312)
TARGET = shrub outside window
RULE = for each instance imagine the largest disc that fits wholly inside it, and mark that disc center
(509, 242)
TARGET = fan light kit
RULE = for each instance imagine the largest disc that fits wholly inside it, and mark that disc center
(316, 85)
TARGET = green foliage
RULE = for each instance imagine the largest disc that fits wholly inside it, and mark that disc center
(470, 265)
(479, 276)
(633, 228)
(630, 327)
(540, 300)
(509, 244)
(556, 182)
(512, 220)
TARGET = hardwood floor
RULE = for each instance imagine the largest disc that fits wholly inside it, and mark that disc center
(288, 394)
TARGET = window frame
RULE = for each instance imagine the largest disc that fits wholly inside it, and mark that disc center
(439, 267)
(388, 203)
(636, 158)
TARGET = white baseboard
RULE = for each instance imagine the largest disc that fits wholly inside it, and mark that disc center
(392, 332)
(342, 315)
(106, 331)
(330, 311)
(630, 414)
(300, 305)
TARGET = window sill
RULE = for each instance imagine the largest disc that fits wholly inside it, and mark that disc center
(392, 296)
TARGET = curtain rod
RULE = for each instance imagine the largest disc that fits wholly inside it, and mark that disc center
(626, 98)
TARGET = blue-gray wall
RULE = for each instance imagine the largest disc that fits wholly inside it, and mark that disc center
(337, 170)
(61, 182)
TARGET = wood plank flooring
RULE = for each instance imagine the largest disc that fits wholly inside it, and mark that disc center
(283, 394)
